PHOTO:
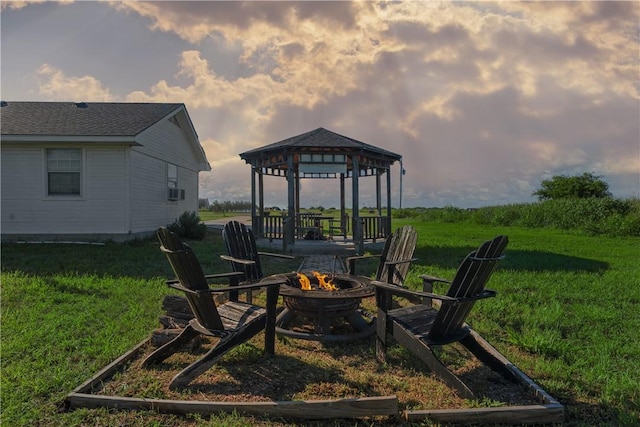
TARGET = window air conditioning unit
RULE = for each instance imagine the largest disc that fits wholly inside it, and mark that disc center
(175, 194)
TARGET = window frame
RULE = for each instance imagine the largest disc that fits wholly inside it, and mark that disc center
(172, 183)
(81, 174)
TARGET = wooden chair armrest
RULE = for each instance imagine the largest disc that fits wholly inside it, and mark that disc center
(271, 281)
(401, 261)
(407, 293)
(237, 260)
(433, 279)
(359, 257)
(351, 261)
(265, 283)
(277, 255)
(230, 275)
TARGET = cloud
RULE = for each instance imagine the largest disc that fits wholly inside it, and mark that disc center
(55, 85)
(196, 21)
(307, 49)
(19, 4)
(481, 98)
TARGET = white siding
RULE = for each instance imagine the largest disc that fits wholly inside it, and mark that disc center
(162, 143)
(26, 209)
(164, 140)
(22, 187)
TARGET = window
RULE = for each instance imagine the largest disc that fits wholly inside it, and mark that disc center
(172, 175)
(64, 168)
(173, 192)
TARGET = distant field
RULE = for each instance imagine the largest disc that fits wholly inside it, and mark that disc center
(208, 215)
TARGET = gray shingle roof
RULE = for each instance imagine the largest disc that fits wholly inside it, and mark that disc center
(320, 138)
(83, 119)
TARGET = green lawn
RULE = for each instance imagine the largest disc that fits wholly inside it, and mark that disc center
(566, 314)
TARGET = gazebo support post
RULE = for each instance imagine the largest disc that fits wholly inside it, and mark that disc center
(387, 231)
(378, 192)
(289, 238)
(254, 214)
(260, 225)
(358, 238)
(343, 211)
(296, 213)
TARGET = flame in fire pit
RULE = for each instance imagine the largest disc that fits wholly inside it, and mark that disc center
(323, 283)
(305, 283)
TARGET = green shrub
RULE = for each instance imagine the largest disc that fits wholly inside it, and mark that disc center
(482, 216)
(597, 216)
(616, 225)
(403, 213)
(453, 214)
(585, 214)
(189, 226)
(532, 217)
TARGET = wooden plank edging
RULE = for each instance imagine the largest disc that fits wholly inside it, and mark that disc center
(308, 409)
(81, 397)
(549, 412)
(108, 371)
(527, 414)
(537, 391)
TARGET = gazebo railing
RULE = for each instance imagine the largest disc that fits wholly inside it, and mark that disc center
(338, 227)
(272, 226)
(373, 227)
(308, 222)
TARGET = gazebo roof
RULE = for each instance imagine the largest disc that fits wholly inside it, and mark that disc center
(274, 157)
(320, 138)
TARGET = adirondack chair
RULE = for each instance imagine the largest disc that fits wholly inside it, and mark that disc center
(233, 322)
(395, 259)
(243, 254)
(421, 327)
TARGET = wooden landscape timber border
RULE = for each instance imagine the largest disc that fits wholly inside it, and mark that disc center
(549, 411)
(81, 397)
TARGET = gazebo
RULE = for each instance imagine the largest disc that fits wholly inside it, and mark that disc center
(320, 154)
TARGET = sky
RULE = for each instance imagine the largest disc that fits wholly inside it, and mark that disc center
(483, 100)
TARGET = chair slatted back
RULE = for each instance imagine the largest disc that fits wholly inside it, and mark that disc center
(189, 273)
(240, 243)
(470, 280)
(399, 246)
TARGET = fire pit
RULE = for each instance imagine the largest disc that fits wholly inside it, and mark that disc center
(324, 300)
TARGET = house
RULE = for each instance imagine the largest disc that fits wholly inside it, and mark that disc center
(96, 171)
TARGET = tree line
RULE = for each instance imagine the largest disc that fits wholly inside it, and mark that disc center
(587, 185)
(226, 206)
